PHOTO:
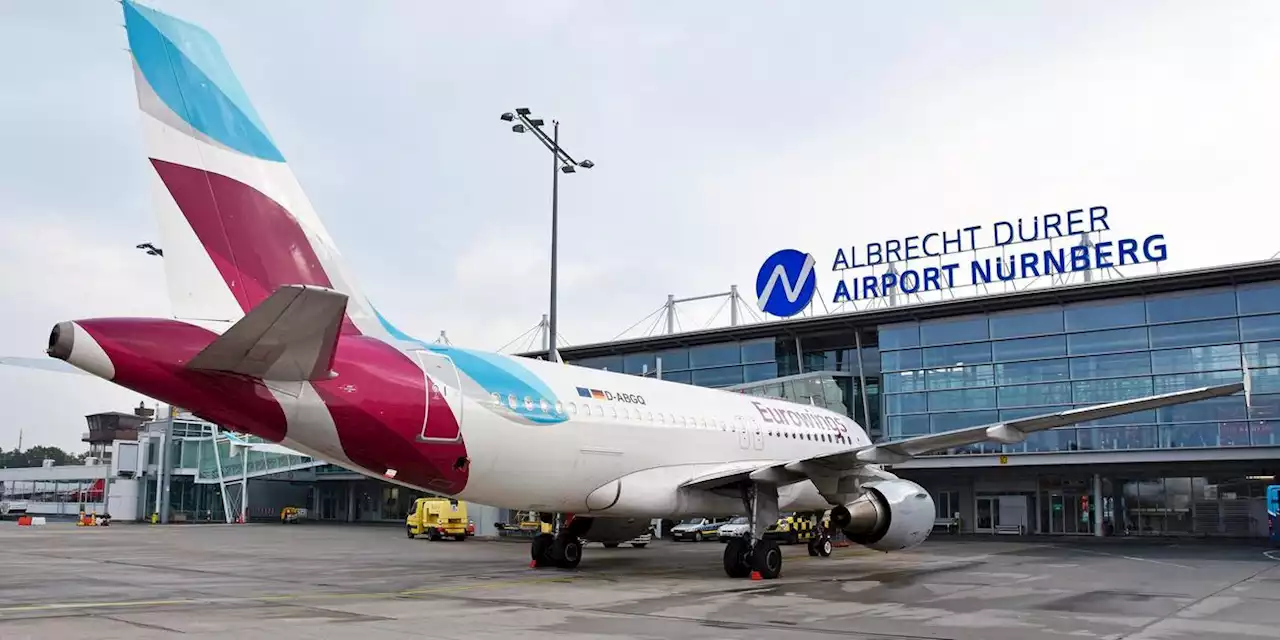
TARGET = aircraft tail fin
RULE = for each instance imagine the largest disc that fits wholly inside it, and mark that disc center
(291, 336)
(235, 224)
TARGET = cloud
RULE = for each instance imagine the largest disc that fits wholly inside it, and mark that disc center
(62, 267)
(719, 136)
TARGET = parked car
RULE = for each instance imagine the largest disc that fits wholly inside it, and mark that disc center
(738, 527)
(638, 542)
(695, 529)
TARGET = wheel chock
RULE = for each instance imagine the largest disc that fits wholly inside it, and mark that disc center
(755, 575)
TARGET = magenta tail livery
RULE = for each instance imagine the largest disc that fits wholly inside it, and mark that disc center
(271, 336)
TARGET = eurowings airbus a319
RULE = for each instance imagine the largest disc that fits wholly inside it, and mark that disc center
(270, 336)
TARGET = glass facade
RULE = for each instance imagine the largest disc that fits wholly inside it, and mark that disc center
(948, 373)
(722, 364)
(766, 367)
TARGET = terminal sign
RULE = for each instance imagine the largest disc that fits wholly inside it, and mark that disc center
(787, 280)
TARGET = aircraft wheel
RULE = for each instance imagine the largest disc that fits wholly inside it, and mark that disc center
(813, 548)
(767, 559)
(824, 546)
(639, 545)
(568, 552)
(540, 550)
(737, 558)
(610, 545)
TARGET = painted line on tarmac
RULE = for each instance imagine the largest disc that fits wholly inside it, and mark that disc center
(1273, 554)
(1134, 558)
(56, 606)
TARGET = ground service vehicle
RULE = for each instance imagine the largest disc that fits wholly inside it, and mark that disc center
(439, 518)
(270, 335)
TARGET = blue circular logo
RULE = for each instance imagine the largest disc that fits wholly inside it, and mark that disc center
(786, 283)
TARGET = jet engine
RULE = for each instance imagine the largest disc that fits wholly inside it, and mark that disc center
(890, 515)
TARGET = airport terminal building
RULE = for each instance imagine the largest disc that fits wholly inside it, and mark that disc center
(1197, 469)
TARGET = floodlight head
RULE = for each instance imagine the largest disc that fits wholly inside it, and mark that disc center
(568, 168)
(507, 116)
(586, 164)
(518, 128)
(537, 122)
(524, 111)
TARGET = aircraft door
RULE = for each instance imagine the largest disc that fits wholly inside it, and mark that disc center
(757, 437)
(744, 437)
(444, 394)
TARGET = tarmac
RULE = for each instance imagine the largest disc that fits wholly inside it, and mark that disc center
(314, 580)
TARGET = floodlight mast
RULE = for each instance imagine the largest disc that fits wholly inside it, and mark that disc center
(561, 162)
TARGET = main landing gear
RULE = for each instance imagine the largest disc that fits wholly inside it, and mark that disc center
(753, 553)
(563, 549)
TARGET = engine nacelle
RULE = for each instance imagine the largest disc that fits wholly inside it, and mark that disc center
(890, 515)
(610, 529)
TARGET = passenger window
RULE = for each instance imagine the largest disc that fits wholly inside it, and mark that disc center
(600, 411)
(528, 403)
(497, 399)
(542, 404)
(650, 416)
(613, 412)
(559, 407)
(573, 409)
(660, 419)
(511, 401)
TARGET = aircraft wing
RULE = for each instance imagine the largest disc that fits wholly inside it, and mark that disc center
(44, 364)
(1006, 432)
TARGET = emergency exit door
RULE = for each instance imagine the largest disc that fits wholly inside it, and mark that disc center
(443, 419)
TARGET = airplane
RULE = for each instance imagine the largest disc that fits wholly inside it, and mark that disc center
(271, 336)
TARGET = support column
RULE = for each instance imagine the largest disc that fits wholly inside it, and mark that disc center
(164, 483)
(244, 486)
(862, 382)
(799, 356)
(671, 314)
(1097, 505)
(351, 501)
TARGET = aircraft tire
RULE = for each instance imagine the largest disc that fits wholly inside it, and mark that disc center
(813, 548)
(767, 559)
(540, 550)
(824, 546)
(568, 552)
(737, 558)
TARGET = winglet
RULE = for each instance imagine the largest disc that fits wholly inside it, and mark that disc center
(290, 336)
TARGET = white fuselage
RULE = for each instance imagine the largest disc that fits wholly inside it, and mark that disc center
(680, 431)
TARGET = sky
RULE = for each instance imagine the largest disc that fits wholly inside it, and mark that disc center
(721, 131)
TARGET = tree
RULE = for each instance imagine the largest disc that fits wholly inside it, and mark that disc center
(34, 457)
